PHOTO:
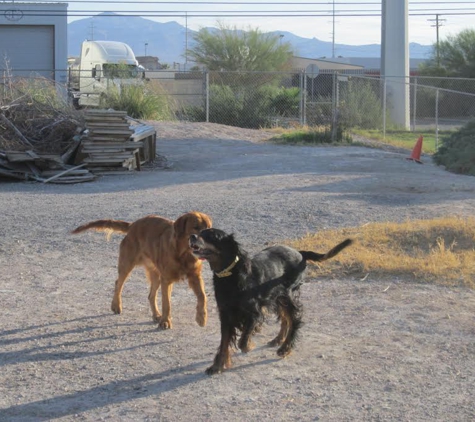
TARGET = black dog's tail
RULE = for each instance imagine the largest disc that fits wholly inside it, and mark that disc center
(318, 257)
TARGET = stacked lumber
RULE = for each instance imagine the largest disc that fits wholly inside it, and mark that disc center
(46, 168)
(107, 145)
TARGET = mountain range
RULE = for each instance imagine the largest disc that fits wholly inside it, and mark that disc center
(167, 41)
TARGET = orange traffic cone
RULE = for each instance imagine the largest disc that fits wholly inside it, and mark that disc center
(416, 152)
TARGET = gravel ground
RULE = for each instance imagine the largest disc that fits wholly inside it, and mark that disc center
(369, 350)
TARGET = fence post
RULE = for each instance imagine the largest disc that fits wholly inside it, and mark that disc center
(384, 107)
(414, 105)
(304, 98)
(301, 99)
(207, 95)
(334, 107)
(437, 119)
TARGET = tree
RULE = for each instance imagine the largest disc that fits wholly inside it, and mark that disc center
(229, 48)
(456, 57)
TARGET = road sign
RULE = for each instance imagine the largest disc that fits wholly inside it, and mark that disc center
(312, 70)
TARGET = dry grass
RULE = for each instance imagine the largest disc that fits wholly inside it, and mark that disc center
(440, 251)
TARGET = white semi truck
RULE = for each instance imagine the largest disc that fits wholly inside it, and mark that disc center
(101, 64)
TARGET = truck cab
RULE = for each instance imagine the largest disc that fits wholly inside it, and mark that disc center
(101, 64)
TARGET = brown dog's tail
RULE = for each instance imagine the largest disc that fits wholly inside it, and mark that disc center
(318, 257)
(108, 226)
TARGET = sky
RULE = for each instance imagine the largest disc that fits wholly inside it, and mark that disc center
(304, 18)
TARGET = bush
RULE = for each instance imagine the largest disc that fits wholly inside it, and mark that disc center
(140, 102)
(285, 101)
(39, 90)
(360, 106)
(457, 152)
(224, 106)
(314, 135)
(248, 107)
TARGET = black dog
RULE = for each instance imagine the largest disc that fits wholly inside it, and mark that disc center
(244, 287)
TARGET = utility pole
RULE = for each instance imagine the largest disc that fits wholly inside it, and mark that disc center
(92, 29)
(333, 31)
(186, 41)
(438, 23)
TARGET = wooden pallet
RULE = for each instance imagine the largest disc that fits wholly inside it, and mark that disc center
(113, 144)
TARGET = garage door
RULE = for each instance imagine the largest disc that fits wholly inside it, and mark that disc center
(29, 49)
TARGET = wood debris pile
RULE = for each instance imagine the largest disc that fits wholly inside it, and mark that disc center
(38, 135)
(43, 141)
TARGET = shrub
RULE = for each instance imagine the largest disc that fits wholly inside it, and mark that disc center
(256, 108)
(39, 90)
(244, 106)
(457, 152)
(224, 106)
(285, 101)
(314, 135)
(140, 102)
(360, 105)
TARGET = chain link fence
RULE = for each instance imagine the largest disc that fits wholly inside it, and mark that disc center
(266, 99)
(291, 99)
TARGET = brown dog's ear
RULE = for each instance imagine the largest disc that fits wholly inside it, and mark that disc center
(180, 225)
(207, 220)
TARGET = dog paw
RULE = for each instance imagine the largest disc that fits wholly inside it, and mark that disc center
(245, 348)
(116, 308)
(201, 318)
(214, 369)
(164, 323)
(284, 351)
(156, 318)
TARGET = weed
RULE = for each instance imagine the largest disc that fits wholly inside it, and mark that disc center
(440, 251)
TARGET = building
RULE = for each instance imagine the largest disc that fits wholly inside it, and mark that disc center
(302, 63)
(149, 62)
(372, 65)
(33, 39)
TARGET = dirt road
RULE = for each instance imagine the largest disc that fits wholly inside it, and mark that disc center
(369, 350)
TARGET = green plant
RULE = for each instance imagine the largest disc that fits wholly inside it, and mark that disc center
(314, 135)
(453, 56)
(403, 138)
(457, 152)
(360, 105)
(233, 49)
(140, 102)
(40, 91)
(224, 105)
(285, 101)
(245, 106)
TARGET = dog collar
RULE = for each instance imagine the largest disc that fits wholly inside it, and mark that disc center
(227, 271)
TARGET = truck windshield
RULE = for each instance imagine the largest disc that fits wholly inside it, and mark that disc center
(120, 71)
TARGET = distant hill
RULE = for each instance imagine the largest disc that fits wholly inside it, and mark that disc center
(167, 40)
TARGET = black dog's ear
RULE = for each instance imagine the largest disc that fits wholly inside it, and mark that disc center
(232, 244)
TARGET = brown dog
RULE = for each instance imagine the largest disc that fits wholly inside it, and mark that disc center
(161, 246)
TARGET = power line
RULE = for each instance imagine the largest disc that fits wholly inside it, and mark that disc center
(270, 3)
(205, 13)
(248, 14)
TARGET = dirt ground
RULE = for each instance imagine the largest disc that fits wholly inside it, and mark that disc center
(369, 350)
